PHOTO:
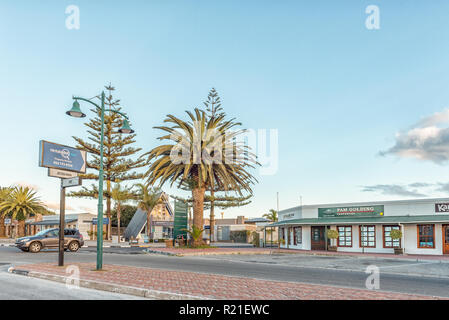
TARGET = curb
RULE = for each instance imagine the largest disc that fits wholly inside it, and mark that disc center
(112, 246)
(104, 286)
(188, 254)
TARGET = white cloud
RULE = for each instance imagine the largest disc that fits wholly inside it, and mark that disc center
(426, 140)
(396, 190)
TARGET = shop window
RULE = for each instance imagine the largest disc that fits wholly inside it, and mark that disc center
(282, 233)
(344, 236)
(297, 235)
(426, 236)
(367, 236)
(388, 242)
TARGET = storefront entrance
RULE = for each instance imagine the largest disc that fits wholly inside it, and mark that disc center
(446, 239)
(317, 239)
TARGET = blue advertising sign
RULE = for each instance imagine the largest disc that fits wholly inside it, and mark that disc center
(95, 221)
(57, 156)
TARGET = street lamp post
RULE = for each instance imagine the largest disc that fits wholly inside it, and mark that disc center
(77, 113)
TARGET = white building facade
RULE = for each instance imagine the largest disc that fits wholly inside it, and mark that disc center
(365, 227)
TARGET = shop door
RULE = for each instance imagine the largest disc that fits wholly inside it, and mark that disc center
(317, 241)
(446, 239)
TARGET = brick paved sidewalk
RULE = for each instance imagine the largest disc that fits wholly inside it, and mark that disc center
(211, 286)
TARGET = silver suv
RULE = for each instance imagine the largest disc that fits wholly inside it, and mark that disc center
(49, 238)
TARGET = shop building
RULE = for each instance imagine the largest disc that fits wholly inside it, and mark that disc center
(80, 221)
(366, 227)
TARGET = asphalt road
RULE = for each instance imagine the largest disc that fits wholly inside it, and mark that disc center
(267, 271)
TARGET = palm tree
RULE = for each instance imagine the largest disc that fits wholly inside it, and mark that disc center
(272, 215)
(120, 196)
(21, 203)
(147, 198)
(4, 194)
(195, 233)
(201, 141)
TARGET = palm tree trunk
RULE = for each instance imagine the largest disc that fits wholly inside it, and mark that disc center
(198, 209)
(212, 216)
(2, 227)
(21, 229)
(118, 221)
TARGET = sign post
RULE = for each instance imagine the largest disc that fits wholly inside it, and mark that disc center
(65, 163)
(65, 183)
(61, 226)
(180, 221)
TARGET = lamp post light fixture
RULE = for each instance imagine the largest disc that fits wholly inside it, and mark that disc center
(76, 112)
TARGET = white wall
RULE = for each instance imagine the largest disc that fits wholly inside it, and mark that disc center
(289, 214)
(306, 235)
(356, 242)
(411, 241)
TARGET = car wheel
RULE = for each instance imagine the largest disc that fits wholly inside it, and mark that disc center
(35, 247)
(74, 246)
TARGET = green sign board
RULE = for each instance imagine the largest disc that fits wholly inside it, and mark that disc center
(361, 211)
(180, 220)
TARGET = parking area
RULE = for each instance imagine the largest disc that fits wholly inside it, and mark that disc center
(433, 268)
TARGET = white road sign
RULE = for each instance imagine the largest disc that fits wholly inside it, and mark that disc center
(71, 182)
(59, 173)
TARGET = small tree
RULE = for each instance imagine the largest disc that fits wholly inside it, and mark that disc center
(397, 235)
(333, 235)
(195, 234)
(126, 214)
(120, 196)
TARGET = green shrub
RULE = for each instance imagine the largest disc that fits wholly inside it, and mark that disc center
(396, 234)
(332, 234)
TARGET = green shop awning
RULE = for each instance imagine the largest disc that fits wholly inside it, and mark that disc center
(364, 220)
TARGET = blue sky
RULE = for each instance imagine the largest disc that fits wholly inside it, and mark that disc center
(338, 93)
